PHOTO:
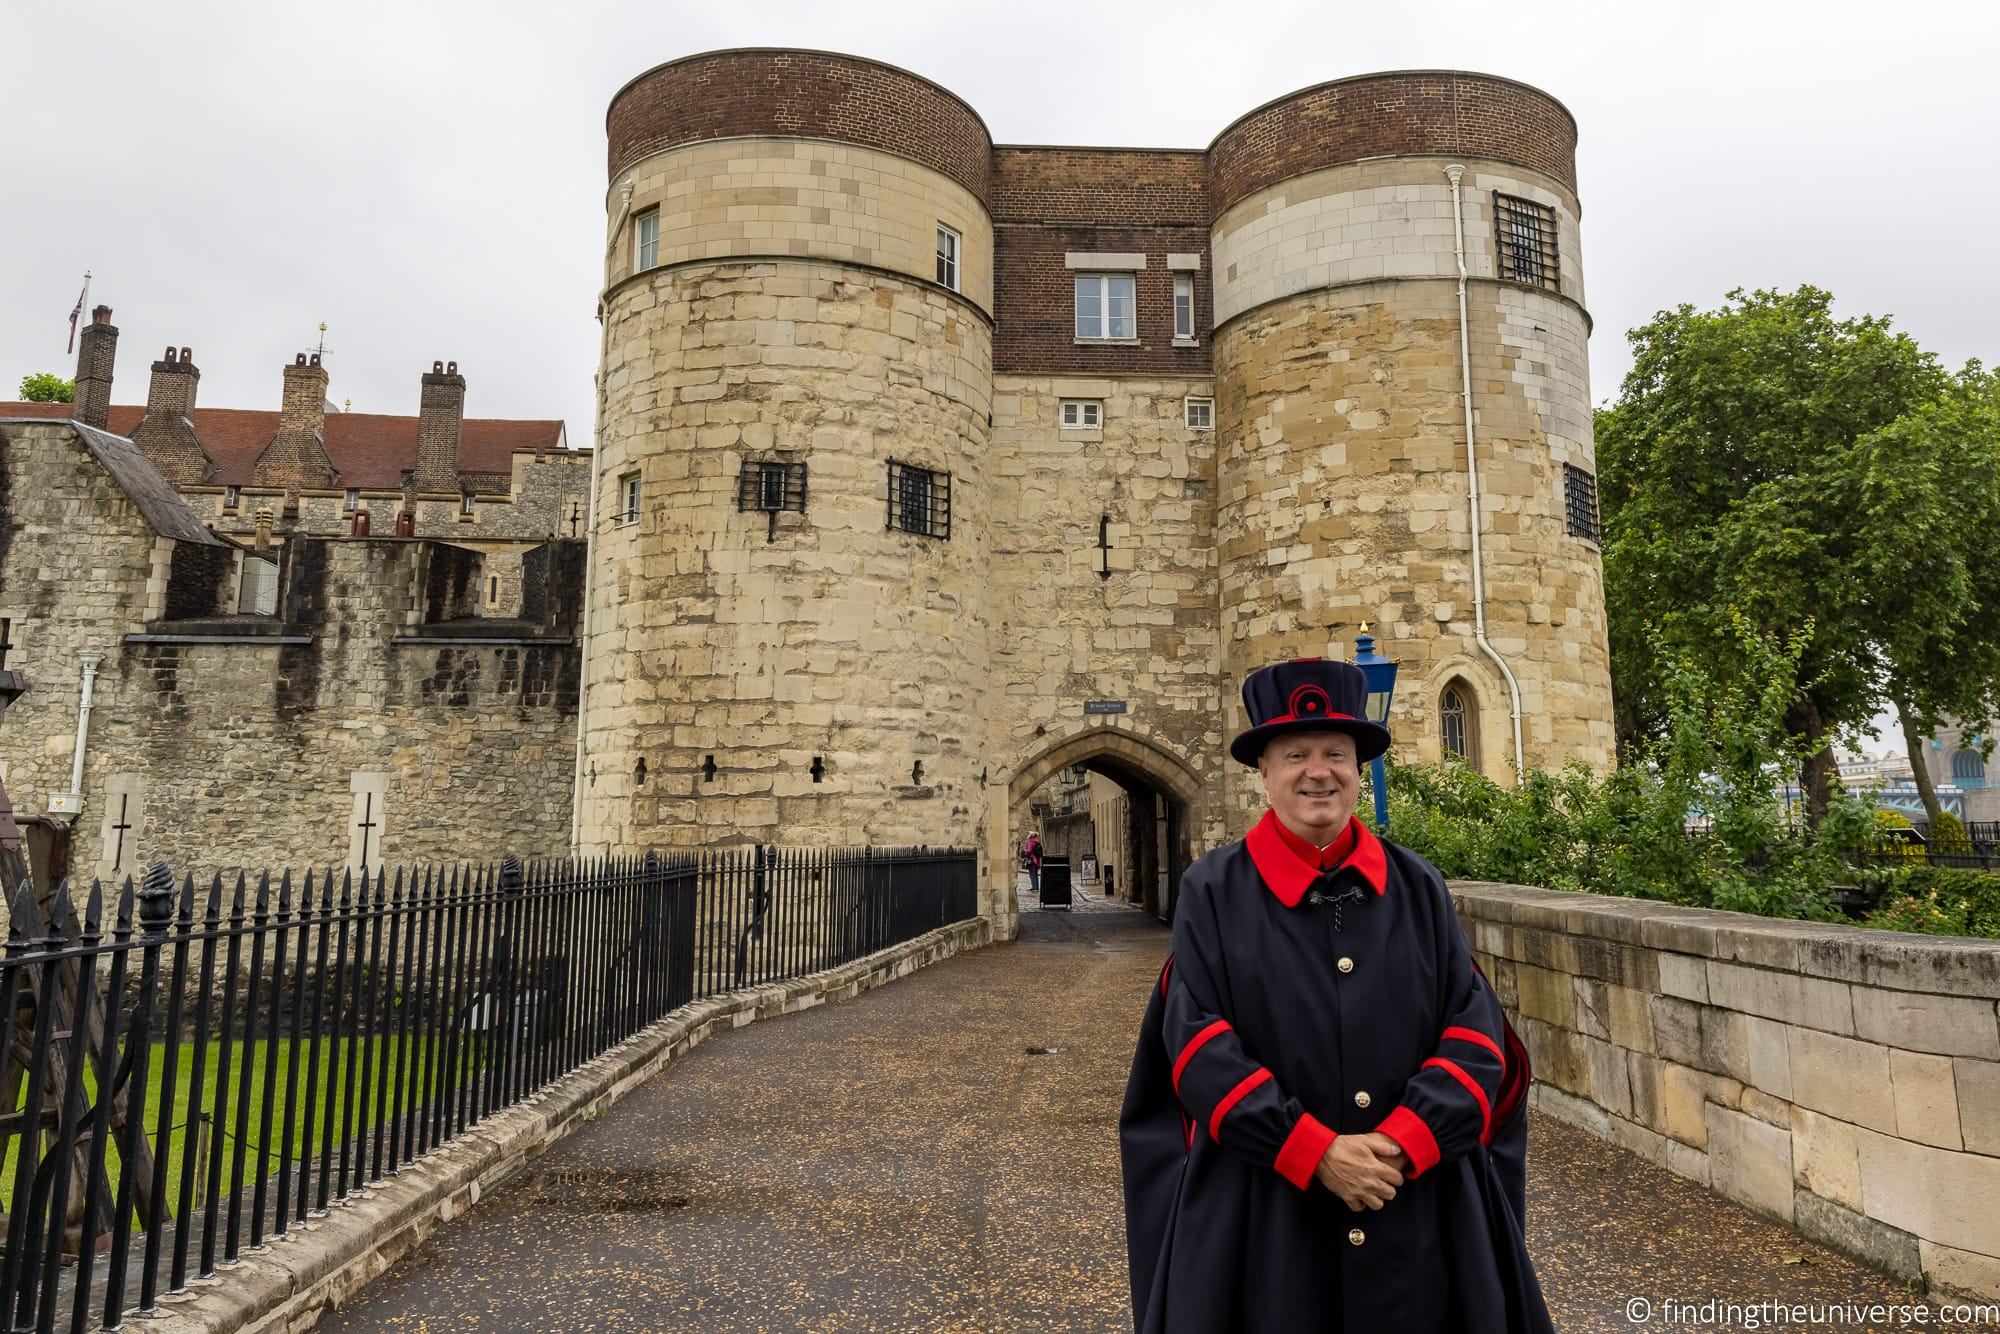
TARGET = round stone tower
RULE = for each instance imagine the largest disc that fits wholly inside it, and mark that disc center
(797, 302)
(1345, 342)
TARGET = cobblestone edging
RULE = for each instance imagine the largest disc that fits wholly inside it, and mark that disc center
(288, 1284)
(1842, 1080)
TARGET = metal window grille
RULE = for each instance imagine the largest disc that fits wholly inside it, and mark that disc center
(919, 500)
(772, 487)
(1580, 502)
(1525, 240)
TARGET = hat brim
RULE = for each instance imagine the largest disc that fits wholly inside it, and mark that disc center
(1370, 739)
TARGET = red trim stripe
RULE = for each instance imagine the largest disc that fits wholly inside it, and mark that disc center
(1299, 1158)
(1166, 973)
(1474, 1035)
(1234, 1096)
(1194, 1045)
(1311, 718)
(1453, 1069)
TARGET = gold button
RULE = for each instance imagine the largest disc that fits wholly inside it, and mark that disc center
(1346, 965)
(1362, 1099)
(1357, 1236)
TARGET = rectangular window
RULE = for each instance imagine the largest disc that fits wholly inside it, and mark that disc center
(1184, 306)
(257, 594)
(919, 500)
(1082, 414)
(492, 588)
(465, 506)
(628, 498)
(1104, 306)
(1201, 414)
(646, 240)
(1525, 241)
(353, 500)
(1580, 503)
(232, 499)
(947, 257)
(772, 486)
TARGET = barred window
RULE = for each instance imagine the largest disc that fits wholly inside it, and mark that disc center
(772, 487)
(1525, 239)
(1580, 502)
(919, 500)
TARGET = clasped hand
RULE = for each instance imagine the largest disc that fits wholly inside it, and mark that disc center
(1363, 1170)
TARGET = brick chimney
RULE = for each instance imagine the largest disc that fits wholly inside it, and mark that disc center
(296, 456)
(95, 351)
(440, 418)
(166, 433)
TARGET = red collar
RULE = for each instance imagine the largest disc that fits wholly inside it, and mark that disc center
(1290, 865)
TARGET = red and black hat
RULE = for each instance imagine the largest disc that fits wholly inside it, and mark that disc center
(1307, 695)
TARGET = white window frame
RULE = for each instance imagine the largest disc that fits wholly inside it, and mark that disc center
(1106, 331)
(1205, 404)
(1082, 414)
(351, 501)
(628, 498)
(950, 245)
(465, 505)
(1184, 303)
(232, 499)
(641, 261)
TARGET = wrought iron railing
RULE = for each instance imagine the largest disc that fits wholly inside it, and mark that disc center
(202, 1070)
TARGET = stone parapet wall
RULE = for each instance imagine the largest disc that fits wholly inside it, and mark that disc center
(1845, 1081)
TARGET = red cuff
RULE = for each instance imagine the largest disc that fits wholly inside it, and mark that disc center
(1303, 1149)
(1408, 1130)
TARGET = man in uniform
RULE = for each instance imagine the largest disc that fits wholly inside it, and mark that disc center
(1309, 1132)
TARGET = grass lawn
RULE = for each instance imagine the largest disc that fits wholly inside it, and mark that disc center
(381, 1059)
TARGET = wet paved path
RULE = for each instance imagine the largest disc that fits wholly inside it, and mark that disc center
(902, 1162)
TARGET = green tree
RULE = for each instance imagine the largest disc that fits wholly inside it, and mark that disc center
(47, 387)
(1749, 477)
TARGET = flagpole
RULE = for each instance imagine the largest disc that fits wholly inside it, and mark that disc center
(82, 304)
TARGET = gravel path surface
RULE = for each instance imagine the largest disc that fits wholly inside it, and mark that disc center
(903, 1162)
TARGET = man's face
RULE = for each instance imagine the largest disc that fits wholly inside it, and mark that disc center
(1312, 780)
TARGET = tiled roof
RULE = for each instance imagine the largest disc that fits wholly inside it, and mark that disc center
(139, 480)
(369, 449)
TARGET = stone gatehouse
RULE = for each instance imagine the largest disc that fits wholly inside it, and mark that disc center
(930, 467)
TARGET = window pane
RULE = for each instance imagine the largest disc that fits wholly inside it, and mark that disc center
(1183, 308)
(1118, 308)
(1089, 308)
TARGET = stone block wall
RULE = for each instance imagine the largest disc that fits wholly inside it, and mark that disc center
(1844, 1081)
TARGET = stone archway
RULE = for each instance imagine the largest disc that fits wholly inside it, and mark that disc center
(1166, 808)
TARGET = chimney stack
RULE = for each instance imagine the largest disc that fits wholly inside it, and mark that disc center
(95, 351)
(303, 408)
(166, 433)
(296, 456)
(440, 419)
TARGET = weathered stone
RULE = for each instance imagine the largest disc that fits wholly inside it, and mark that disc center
(1842, 1078)
(1926, 1098)
(1766, 1045)
(1978, 1085)
(1950, 1025)
(1952, 1271)
(1750, 1161)
(1677, 1029)
(1827, 1222)
(1683, 1095)
(1934, 1193)
(1546, 995)
(1808, 1001)
(1826, 1155)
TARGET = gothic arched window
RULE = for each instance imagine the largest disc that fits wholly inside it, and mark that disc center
(1458, 722)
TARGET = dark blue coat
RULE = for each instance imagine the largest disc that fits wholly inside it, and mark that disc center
(1300, 1004)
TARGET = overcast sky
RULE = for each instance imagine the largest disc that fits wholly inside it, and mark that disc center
(428, 178)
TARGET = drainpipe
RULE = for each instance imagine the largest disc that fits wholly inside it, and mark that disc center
(590, 555)
(74, 805)
(1454, 172)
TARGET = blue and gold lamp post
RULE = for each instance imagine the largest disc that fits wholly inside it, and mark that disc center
(1381, 675)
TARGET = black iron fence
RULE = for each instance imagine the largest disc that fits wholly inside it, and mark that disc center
(205, 1069)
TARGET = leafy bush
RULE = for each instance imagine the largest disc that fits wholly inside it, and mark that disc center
(1939, 901)
(1694, 819)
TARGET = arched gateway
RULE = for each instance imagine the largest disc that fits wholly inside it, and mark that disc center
(1164, 809)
